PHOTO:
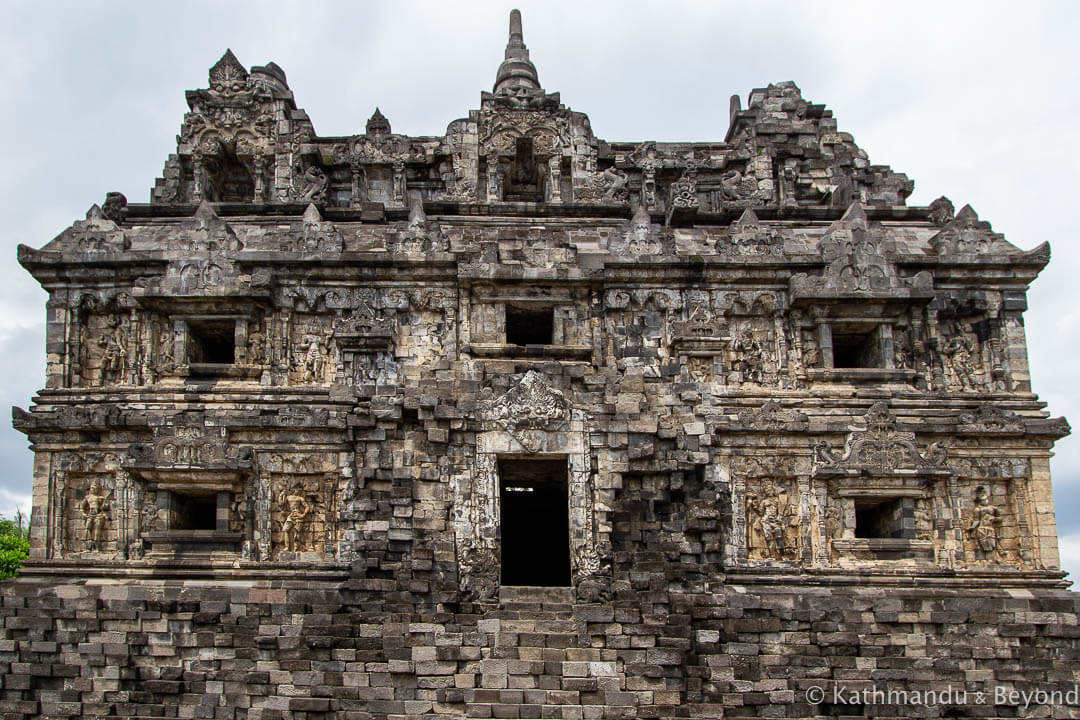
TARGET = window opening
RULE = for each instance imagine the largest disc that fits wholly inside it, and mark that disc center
(884, 518)
(529, 326)
(230, 180)
(855, 350)
(194, 512)
(534, 522)
(211, 342)
(524, 162)
(524, 183)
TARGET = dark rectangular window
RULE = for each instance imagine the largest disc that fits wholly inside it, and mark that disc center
(194, 512)
(890, 518)
(534, 522)
(529, 325)
(211, 341)
(855, 350)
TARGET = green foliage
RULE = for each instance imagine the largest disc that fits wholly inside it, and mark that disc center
(14, 547)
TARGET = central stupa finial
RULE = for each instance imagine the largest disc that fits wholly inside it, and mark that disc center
(516, 70)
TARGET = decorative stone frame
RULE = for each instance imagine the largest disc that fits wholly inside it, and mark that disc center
(882, 462)
(530, 421)
(845, 488)
(484, 325)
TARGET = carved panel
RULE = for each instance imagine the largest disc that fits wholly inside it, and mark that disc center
(772, 514)
(312, 350)
(303, 505)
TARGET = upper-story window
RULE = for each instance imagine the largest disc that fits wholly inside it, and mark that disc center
(211, 341)
(521, 321)
(530, 325)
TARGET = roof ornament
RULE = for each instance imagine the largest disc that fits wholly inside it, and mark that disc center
(377, 124)
(517, 75)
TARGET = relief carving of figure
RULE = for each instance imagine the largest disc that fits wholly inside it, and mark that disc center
(163, 360)
(256, 346)
(314, 184)
(296, 509)
(748, 356)
(312, 359)
(610, 185)
(615, 180)
(770, 523)
(959, 352)
(834, 521)
(903, 354)
(96, 509)
(113, 343)
(984, 525)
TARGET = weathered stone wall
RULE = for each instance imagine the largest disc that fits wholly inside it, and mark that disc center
(261, 648)
(316, 412)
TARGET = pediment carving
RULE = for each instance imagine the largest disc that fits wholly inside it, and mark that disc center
(528, 409)
(879, 447)
(859, 265)
(965, 234)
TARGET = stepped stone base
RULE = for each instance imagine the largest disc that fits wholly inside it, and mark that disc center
(139, 648)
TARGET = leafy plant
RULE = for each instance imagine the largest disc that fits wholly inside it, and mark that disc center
(14, 546)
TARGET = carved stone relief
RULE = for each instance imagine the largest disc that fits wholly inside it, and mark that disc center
(91, 506)
(190, 442)
(858, 264)
(962, 356)
(303, 494)
(103, 343)
(529, 409)
(312, 355)
(606, 186)
(989, 526)
(639, 237)
(879, 446)
(418, 236)
(748, 237)
(96, 508)
(772, 515)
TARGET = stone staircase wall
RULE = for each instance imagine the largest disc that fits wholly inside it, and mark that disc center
(294, 649)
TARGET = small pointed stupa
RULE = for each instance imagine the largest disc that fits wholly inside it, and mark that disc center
(516, 70)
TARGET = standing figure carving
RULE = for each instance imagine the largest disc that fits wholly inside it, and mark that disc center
(958, 351)
(296, 509)
(983, 528)
(770, 523)
(312, 360)
(96, 508)
(749, 356)
(112, 344)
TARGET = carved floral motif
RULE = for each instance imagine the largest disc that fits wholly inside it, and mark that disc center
(529, 407)
(880, 447)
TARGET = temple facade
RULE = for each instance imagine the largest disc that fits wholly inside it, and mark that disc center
(600, 428)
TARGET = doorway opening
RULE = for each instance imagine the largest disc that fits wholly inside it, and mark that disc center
(534, 521)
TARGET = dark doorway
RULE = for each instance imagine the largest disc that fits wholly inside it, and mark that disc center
(194, 512)
(890, 518)
(534, 519)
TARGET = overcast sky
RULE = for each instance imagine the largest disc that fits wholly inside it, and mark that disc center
(977, 101)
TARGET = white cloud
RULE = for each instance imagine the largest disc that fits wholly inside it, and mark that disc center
(12, 503)
(1069, 547)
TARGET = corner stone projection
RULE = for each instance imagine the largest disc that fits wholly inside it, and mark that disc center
(745, 423)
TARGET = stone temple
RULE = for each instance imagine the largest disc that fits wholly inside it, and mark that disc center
(516, 422)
